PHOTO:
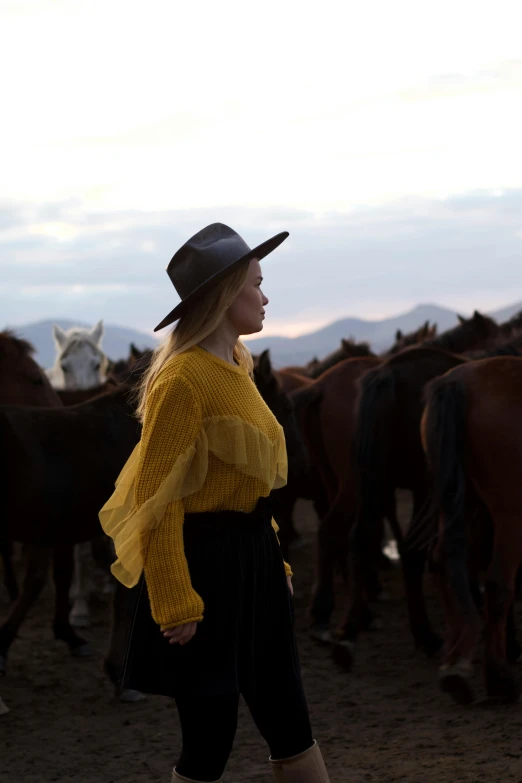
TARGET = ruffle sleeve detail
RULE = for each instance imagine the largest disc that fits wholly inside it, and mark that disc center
(231, 439)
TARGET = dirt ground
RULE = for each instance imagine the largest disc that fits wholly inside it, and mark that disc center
(386, 721)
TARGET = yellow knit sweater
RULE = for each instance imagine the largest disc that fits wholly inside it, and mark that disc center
(209, 443)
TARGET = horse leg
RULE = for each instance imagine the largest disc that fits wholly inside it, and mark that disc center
(11, 584)
(123, 605)
(500, 592)
(323, 602)
(459, 644)
(413, 563)
(363, 577)
(63, 566)
(36, 568)
(81, 587)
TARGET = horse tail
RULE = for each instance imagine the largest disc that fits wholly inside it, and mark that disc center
(372, 443)
(444, 431)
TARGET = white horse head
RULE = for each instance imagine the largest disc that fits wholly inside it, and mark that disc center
(80, 362)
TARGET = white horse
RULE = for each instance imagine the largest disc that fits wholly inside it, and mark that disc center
(80, 362)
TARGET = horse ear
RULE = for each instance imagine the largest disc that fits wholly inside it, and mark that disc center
(345, 343)
(461, 319)
(477, 316)
(97, 333)
(60, 338)
(398, 335)
(135, 352)
(264, 365)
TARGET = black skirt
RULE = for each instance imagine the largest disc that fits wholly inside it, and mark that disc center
(246, 638)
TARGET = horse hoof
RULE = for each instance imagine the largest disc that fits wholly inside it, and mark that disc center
(130, 696)
(455, 681)
(321, 633)
(4, 709)
(3, 665)
(82, 651)
(343, 654)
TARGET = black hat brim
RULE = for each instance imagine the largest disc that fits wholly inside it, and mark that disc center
(258, 252)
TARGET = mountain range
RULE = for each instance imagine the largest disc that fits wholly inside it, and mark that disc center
(284, 350)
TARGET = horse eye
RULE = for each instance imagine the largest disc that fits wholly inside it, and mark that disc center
(37, 380)
(64, 366)
(97, 365)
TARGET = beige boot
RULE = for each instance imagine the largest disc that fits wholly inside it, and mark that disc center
(176, 777)
(306, 767)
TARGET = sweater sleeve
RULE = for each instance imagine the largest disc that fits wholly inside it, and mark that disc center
(172, 422)
(288, 569)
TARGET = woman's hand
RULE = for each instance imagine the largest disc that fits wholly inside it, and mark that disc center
(290, 585)
(181, 634)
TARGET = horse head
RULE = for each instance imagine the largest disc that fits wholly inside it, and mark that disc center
(80, 361)
(23, 382)
(271, 390)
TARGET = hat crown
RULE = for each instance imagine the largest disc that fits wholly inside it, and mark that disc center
(208, 252)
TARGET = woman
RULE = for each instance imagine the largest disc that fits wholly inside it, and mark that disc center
(191, 520)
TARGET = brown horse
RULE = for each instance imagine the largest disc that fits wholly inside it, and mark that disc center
(328, 424)
(348, 349)
(472, 435)
(130, 370)
(390, 457)
(63, 462)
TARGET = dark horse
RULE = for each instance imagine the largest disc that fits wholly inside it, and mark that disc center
(22, 382)
(328, 423)
(390, 457)
(63, 463)
(472, 434)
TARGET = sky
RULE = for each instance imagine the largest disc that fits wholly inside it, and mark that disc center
(384, 136)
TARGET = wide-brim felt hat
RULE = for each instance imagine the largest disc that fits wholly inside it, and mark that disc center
(208, 257)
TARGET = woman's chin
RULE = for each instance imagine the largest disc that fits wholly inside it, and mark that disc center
(253, 329)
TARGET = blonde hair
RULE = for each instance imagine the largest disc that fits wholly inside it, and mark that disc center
(203, 318)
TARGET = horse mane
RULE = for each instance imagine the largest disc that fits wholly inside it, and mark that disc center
(12, 345)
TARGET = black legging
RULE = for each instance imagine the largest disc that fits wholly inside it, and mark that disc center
(209, 725)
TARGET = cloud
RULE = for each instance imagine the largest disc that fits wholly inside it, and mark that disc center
(368, 262)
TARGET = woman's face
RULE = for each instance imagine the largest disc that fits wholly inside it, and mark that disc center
(247, 312)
